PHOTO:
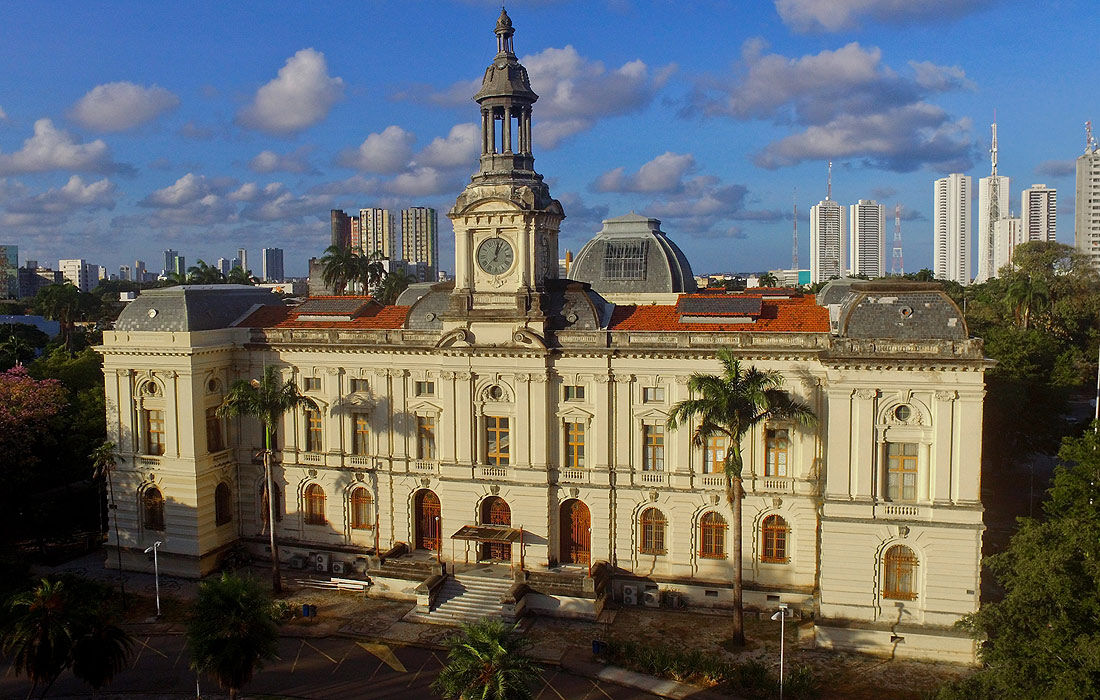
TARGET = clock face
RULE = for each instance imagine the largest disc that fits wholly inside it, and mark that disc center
(495, 255)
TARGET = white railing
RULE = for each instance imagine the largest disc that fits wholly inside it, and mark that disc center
(310, 458)
(898, 510)
(359, 461)
(653, 477)
(494, 472)
(713, 480)
(571, 475)
(425, 465)
(149, 461)
(776, 484)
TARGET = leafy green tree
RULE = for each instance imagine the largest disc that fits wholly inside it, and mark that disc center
(61, 303)
(19, 343)
(731, 404)
(267, 400)
(391, 287)
(341, 266)
(101, 651)
(1042, 638)
(371, 271)
(240, 276)
(487, 661)
(231, 631)
(104, 461)
(768, 280)
(203, 273)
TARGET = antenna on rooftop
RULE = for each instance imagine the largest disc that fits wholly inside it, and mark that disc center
(829, 186)
(1090, 140)
(994, 205)
(897, 266)
(794, 245)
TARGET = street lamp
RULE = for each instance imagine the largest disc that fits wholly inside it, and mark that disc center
(781, 615)
(156, 570)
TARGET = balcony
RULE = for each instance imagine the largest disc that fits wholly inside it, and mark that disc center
(310, 458)
(651, 478)
(492, 472)
(147, 461)
(897, 510)
(774, 484)
(424, 466)
(360, 461)
(572, 475)
(713, 481)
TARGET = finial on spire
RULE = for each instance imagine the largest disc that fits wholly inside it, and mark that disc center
(504, 32)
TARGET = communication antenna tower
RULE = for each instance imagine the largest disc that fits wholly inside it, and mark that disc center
(794, 245)
(829, 185)
(994, 204)
(1090, 140)
(897, 265)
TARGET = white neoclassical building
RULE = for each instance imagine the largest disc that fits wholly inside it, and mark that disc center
(514, 417)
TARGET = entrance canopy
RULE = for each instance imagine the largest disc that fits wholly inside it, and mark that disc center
(489, 533)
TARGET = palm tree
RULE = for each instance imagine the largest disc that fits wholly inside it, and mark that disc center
(768, 280)
(392, 285)
(232, 630)
(731, 404)
(1024, 295)
(267, 400)
(371, 271)
(488, 661)
(203, 273)
(341, 265)
(40, 633)
(101, 651)
(104, 460)
(238, 275)
(61, 303)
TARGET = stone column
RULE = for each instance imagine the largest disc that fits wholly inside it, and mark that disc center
(464, 454)
(598, 440)
(507, 130)
(624, 437)
(940, 470)
(539, 423)
(447, 438)
(863, 433)
(463, 242)
(525, 423)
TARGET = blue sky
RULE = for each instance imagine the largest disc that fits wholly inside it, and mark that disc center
(130, 127)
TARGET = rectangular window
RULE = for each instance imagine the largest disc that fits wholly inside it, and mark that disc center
(574, 392)
(425, 437)
(313, 384)
(154, 432)
(776, 451)
(714, 455)
(361, 427)
(574, 445)
(653, 447)
(496, 440)
(214, 438)
(359, 385)
(425, 388)
(901, 471)
(625, 260)
(653, 394)
(313, 431)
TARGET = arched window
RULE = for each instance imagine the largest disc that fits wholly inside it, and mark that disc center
(278, 503)
(899, 573)
(652, 532)
(712, 536)
(773, 540)
(152, 507)
(360, 509)
(315, 505)
(223, 504)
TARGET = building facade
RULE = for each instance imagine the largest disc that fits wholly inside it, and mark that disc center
(826, 241)
(1039, 213)
(272, 264)
(1086, 213)
(951, 228)
(867, 238)
(420, 241)
(376, 227)
(530, 409)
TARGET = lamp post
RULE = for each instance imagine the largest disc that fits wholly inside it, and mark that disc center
(438, 540)
(156, 571)
(781, 615)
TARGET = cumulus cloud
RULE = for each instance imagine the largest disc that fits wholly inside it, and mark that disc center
(274, 202)
(424, 181)
(1056, 168)
(300, 96)
(75, 194)
(356, 184)
(196, 132)
(122, 106)
(574, 92)
(837, 15)
(664, 173)
(271, 162)
(187, 189)
(582, 221)
(386, 152)
(706, 204)
(460, 148)
(835, 95)
(51, 148)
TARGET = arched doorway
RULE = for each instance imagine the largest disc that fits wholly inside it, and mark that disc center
(495, 511)
(427, 518)
(576, 533)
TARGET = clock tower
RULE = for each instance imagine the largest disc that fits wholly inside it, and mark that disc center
(505, 221)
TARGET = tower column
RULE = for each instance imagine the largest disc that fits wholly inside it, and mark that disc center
(507, 130)
(486, 130)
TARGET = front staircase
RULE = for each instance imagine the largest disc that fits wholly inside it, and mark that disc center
(467, 599)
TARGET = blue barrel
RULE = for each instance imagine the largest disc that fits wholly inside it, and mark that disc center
(305, 609)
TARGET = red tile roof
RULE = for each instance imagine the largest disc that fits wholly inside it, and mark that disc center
(370, 316)
(795, 315)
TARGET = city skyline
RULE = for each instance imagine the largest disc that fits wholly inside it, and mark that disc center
(136, 147)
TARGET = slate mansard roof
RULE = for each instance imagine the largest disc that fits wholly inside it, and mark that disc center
(631, 254)
(193, 307)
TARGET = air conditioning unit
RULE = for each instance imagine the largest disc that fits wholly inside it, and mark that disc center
(338, 567)
(652, 598)
(297, 562)
(630, 595)
(320, 561)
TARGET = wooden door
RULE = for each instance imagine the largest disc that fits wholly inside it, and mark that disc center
(576, 533)
(495, 511)
(427, 521)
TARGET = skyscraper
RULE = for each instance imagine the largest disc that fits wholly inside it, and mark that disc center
(170, 260)
(125, 274)
(139, 270)
(1007, 233)
(1039, 212)
(376, 232)
(420, 241)
(9, 271)
(341, 228)
(242, 255)
(224, 265)
(273, 264)
(867, 240)
(1086, 219)
(83, 276)
(826, 241)
(951, 228)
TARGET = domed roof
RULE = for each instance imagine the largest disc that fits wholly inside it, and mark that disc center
(631, 254)
(506, 77)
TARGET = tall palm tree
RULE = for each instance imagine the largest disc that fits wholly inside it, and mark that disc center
(267, 400)
(101, 651)
(1024, 295)
(61, 303)
(731, 404)
(203, 273)
(104, 460)
(341, 265)
(371, 271)
(232, 631)
(392, 285)
(487, 661)
(40, 632)
(239, 275)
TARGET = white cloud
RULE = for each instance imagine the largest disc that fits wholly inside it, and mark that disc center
(3, 115)
(705, 206)
(122, 106)
(53, 149)
(356, 184)
(75, 194)
(197, 132)
(274, 202)
(837, 15)
(387, 152)
(423, 181)
(187, 189)
(460, 148)
(300, 96)
(664, 173)
(271, 162)
(940, 78)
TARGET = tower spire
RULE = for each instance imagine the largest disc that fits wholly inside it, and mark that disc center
(1090, 140)
(829, 185)
(994, 210)
(504, 32)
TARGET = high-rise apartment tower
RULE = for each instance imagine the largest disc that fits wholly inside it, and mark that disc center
(420, 242)
(1039, 212)
(273, 264)
(376, 232)
(951, 228)
(867, 238)
(1086, 217)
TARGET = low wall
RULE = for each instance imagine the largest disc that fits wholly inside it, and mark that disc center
(903, 643)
